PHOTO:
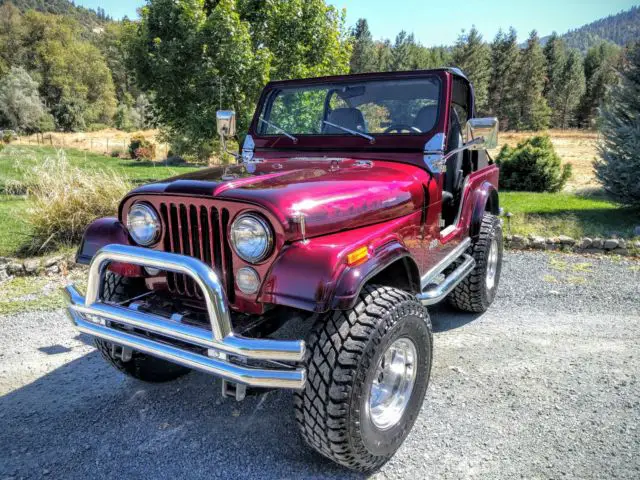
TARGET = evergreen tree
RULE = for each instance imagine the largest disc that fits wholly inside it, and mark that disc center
(533, 112)
(402, 52)
(569, 90)
(363, 57)
(555, 55)
(600, 66)
(619, 163)
(384, 56)
(502, 83)
(473, 56)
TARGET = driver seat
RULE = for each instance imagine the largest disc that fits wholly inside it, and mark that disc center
(350, 118)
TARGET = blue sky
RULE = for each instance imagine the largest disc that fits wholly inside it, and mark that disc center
(438, 23)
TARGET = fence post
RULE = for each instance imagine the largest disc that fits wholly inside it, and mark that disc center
(107, 145)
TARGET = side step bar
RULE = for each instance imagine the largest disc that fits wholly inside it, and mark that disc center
(433, 293)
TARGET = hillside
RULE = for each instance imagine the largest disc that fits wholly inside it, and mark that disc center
(85, 16)
(620, 29)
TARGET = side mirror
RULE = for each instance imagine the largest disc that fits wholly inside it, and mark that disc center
(226, 123)
(481, 133)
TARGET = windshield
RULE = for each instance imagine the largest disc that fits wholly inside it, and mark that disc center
(369, 108)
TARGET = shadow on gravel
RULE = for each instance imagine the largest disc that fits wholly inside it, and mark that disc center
(85, 420)
(444, 318)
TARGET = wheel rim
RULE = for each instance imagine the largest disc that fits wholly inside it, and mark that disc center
(492, 264)
(393, 383)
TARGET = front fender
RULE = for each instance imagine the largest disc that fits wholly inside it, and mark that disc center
(485, 200)
(314, 275)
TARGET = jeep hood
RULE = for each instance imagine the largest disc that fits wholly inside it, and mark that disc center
(332, 194)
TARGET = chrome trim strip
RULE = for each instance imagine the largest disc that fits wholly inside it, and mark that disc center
(451, 257)
(220, 338)
(438, 292)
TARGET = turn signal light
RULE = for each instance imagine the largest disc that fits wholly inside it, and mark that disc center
(359, 255)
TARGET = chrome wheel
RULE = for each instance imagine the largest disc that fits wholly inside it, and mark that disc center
(393, 383)
(492, 264)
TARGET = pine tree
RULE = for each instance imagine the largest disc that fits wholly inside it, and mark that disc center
(384, 56)
(569, 90)
(504, 70)
(533, 112)
(402, 52)
(555, 55)
(600, 66)
(619, 163)
(473, 56)
(363, 58)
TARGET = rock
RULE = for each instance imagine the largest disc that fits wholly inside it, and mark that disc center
(565, 240)
(611, 243)
(636, 245)
(597, 243)
(553, 240)
(538, 243)
(53, 269)
(49, 262)
(622, 243)
(3, 275)
(15, 268)
(4, 260)
(621, 251)
(518, 241)
(31, 265)
(586, 242)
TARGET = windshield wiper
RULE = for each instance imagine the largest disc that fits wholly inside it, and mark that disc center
(352, 132)
(279, 130)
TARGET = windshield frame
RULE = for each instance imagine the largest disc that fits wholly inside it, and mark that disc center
(329, 141)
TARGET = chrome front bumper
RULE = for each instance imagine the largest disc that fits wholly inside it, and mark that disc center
(166, 338)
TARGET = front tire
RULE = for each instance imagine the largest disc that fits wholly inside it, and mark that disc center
(139, 366)
(478, 290)
(368, 370)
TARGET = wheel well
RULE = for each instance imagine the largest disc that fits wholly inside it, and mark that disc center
(493, 203)
(402, 274)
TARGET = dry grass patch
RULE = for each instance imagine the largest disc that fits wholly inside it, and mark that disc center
(64, 199)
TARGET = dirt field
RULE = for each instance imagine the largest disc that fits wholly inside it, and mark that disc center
(574, 146)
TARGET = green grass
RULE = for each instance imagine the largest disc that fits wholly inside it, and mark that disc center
(552, 214)
(12, 229)
(16, 159)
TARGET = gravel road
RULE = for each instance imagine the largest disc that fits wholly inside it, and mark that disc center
(543, 385)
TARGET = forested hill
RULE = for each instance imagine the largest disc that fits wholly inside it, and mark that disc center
(619, 29)
(85, 16)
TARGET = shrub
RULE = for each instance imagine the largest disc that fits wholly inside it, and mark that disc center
(141, 149)
(116, 153)
(618, 167)
(8, 136)
(533, 166)
(66, 199)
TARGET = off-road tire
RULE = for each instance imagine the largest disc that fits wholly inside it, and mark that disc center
(343, 350)
(141, 366)
(472, 294)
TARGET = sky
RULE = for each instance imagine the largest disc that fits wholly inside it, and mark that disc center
(440, 23)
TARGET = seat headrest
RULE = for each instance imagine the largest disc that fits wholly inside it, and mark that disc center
(350, 118)
(426, 118)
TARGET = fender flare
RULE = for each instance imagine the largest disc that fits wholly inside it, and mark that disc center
(485, 199)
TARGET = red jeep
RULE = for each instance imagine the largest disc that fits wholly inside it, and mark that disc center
(356, 202)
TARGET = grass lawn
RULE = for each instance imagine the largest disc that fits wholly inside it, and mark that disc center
(551, 214)
(16, 159)
(12, 230)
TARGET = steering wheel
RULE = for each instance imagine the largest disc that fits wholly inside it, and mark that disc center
(399, 127)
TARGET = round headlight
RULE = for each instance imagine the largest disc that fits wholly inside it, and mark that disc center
(251, 238)
(248, 280)
(143, 224)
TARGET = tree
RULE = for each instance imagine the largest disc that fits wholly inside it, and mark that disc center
(555, 52)
(402, 52)
(20, 103)
(384, 56)
(473, 56)
(363, 57)
(619, 163)
(569, 90)
(11, 33)
(533, 112)
(600, 66)
(503, 81)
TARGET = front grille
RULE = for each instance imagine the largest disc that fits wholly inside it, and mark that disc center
(200, 232)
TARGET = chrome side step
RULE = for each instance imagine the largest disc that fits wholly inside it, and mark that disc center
(438, 292)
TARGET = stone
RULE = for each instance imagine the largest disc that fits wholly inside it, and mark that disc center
(621, 251)
(611, 244)
(622, 243)
(565, 240)
(538, 243)
(31, 265)
(597, 243)
(15, 268)
(3, 275)
(53, 269)
(636, 245)
(518, 241)
(49, 262)
(4, 260)
(553, 240)
(586, 242)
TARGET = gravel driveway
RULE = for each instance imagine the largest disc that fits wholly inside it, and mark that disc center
(544, 385)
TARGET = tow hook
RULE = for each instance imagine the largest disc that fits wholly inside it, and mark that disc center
(123, 353)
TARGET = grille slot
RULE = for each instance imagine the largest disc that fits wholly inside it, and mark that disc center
(200, 232)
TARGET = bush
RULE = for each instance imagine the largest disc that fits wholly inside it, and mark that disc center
(116, 153)
(66, 199)
(532, 166)
(8, 136)
(141, 149)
